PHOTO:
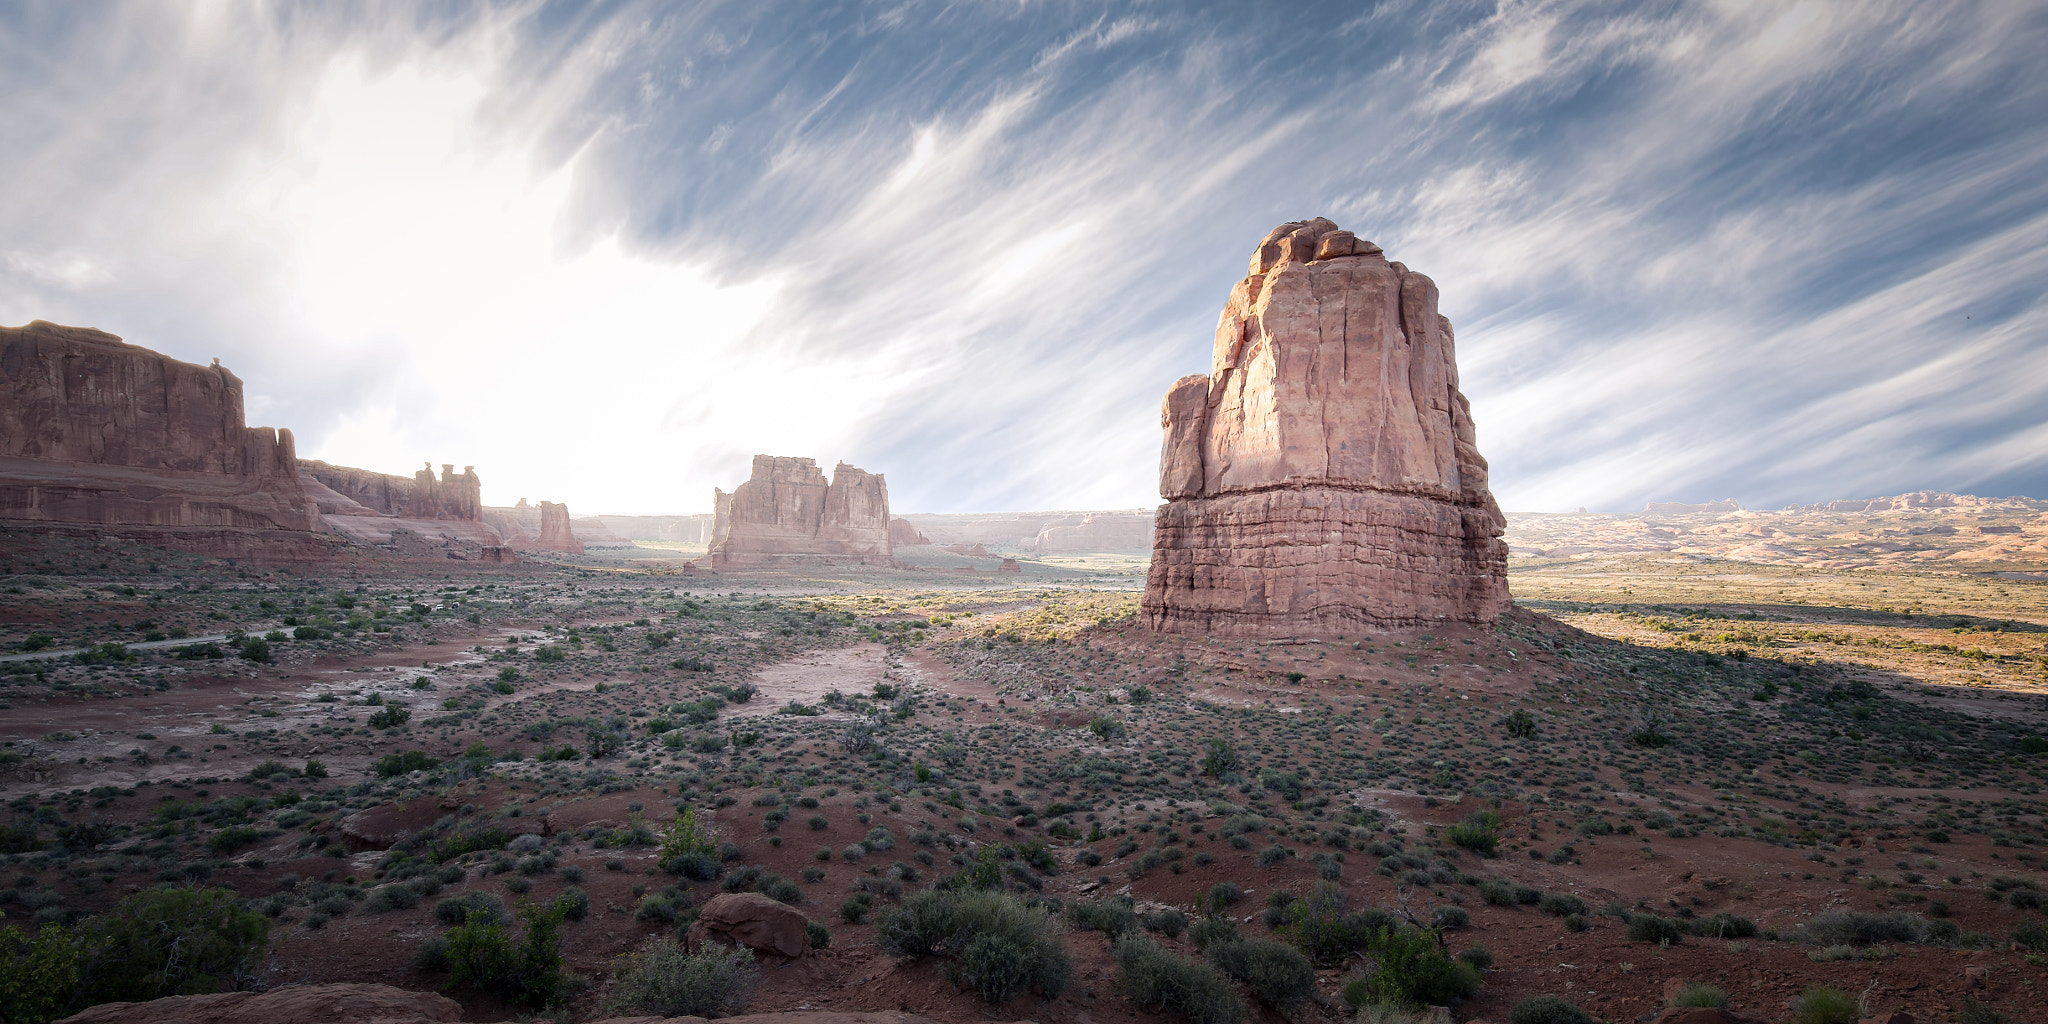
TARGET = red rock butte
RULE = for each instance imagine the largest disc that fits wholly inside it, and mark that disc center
(1322, 478)
(786, 514)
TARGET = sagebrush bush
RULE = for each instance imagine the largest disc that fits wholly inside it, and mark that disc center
(1723, 926)
(529, 972)
(1155, 978)
(1822, 1004)
(1651, 928)
(1547, 1009)
(1211, 928)
(1277, 974)
(1411, 968)
(478, 904)
(1854, 928)
(1701, 996)
(1112, 917)
(1024, 948)
(664, 980)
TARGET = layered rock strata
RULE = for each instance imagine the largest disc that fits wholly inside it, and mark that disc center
(104, 438)
(787, 514)
(1323, 477)
(420, 516)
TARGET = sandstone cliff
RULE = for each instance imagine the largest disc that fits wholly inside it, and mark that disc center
(1323, 476)
(102, 437)
(786, 513)
(903, 534)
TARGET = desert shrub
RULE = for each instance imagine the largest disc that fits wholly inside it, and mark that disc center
(166, 942)
(856, 908)
(1558, 904)
(820, 936)
(1822, 1004)
(1223, 894)
(1478, 956)
(479, 906)
(1723, 926)
(396, 896)
(399, 764)
(392, 716)
(2030, 934)
(574, 903)
(1024, 947)
(1410, 968)
(40, 972)
(1974, 1012)
(1519, 723)
(1153, 977)
(1170, 922)
(1701, 996)
(1479, 833)
(1547, 1009)
(1113, 917)
(529, 972)
(1277, 973)
(1651, 928)
(1450, 917)
(1211, 928)
(1854, 928)
(664, 980)
(1324, 930)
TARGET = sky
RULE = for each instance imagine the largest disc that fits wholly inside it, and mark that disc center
(1777, 251)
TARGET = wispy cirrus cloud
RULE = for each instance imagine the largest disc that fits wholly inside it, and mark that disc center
(1775, 250)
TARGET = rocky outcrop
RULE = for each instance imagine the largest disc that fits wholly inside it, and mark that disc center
(903, 534)
(345, 490)
(105, 438)
(1323, 477)
(751, 920)
(555, 534)
(524, 526)
(787, 514)
(350, 1002)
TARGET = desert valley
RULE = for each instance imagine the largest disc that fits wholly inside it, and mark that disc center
(1326, 737)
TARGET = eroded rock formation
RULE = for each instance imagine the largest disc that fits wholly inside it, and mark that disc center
(903, 534)
(786, 513)
(1323, 476)
(102, 437)
(420, 516)
(555, 534)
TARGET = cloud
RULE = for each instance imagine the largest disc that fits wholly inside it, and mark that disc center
(607, 253)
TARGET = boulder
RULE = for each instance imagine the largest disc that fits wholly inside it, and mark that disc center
(343, 1003)
(752, 920)
(1323, 476)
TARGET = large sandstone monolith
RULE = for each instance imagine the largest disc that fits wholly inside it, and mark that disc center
(1323, 478)
(555, 534)
(787, 514)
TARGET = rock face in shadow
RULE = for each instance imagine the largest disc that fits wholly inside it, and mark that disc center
(104, 438)
(1323, 476)
(555, 534)
(787, 514)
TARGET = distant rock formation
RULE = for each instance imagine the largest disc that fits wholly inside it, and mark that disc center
(1096, 531)
(903, 534)
(555, 534)
(108, 439)
(522, 526)
(787, 514)
(1679, 508)
(671, 529)
(1323, 477)
(104, 438)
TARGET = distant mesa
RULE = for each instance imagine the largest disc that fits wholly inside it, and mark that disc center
(1679, 508)
(1046, 533)
(1323, 477)
(787, 514)
(101, 438)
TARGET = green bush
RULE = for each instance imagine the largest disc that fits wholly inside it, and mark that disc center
(1154, 978)
(1479, 833)
(1821, 1004)
(1322, 927)
(1277, 973)
(1547, 1009)
(1410, 968)
(663, 980)
(530, 972)
(1211, 928)
(1854, 928)
(255, 649)
(470, 906)
(158, 942)
(399, 764)
(1651, 928)
(1701, 997)
(1558, 904)
(1112, 918)
(820, 936)
(1223, 894)
(392, 716)
(40, 973)
(2031, 934)
(1024, 948)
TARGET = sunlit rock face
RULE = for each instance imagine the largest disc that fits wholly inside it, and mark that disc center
(1323, 476)
(787, 514)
